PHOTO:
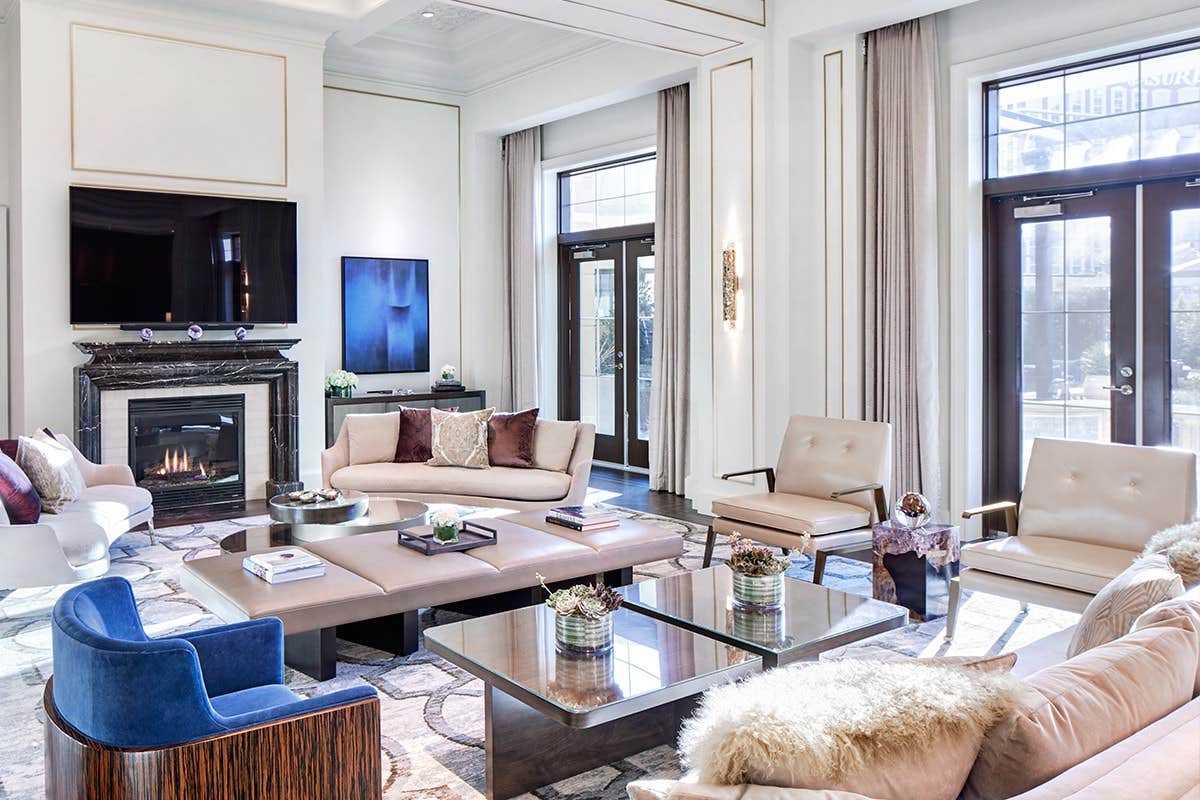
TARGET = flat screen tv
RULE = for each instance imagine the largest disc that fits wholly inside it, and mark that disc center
(166, 259)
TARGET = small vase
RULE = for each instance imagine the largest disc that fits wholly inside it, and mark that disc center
(758, 591)
(583, 635)
(339, 391)
(446, 534)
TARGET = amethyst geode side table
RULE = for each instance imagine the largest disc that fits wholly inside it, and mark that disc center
(913, 567)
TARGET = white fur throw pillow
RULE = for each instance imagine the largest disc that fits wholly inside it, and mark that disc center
(1110, 615)
(890, 730)
(1181, 545)
(52, 470)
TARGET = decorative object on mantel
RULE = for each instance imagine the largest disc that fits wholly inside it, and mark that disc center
(912, 511)
(757, 573)
(194, 332)
(239, 333)
(583, 616)
(146, 334)
(115, 366)
(340, 383)
(445, 526)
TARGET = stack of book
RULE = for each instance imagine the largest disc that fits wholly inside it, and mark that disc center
(583, 518)
(284, 566)
(447, 386)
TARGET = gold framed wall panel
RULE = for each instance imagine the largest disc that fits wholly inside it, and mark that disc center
(761, 23)
(746, 317)
(78, 163)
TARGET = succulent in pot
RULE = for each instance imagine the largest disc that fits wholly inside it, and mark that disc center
(757, 573)
(583, 616)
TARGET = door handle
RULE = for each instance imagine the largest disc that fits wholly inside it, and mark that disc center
(1125, 389)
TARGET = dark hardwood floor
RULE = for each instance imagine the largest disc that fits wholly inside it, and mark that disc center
(634, 491)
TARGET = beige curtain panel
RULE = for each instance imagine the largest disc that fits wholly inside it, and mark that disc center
(672, 287)
(901, 249)
(522, 155)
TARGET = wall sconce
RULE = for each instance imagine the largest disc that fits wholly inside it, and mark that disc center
(729, 285)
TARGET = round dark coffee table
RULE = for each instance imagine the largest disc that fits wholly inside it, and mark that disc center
(383, 514)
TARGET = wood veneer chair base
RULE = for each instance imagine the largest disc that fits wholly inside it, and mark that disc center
(332, 754)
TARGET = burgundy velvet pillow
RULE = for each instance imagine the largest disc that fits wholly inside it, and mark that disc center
(510, 439)
(20, 499)
(9, 448)
(415, 443)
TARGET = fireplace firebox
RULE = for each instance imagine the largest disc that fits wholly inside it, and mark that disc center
(189, 451)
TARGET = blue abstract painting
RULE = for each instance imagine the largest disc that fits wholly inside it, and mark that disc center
(385, 315)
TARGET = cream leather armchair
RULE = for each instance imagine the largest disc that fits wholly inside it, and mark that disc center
(1086, 513)
(828, 482)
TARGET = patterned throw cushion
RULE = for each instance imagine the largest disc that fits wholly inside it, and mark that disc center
(17, 495)
(460, 440)
(510, 439)
(1112, 612)
(52, 470)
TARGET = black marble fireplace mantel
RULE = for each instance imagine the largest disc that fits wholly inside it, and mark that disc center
(153, 365)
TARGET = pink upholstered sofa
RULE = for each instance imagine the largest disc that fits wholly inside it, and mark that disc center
(1124, 719)
(363, 456)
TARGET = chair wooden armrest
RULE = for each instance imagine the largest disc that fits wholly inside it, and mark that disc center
(881, 511)
(770, 473)
(1007, 506)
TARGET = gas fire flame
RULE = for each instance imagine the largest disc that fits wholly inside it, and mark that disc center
(178, 461)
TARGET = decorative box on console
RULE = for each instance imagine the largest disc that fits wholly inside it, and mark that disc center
(913, 567)
(199, 370)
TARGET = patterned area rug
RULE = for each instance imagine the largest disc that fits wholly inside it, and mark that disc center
(432, 711)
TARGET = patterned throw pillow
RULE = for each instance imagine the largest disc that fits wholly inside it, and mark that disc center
(1112, 612)
(52, 470)
(460, 440)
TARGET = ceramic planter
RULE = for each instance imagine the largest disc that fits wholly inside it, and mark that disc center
(583, 635)
(758, 591)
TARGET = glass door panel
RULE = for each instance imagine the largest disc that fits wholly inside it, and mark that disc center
(639, 255)
(597, 350)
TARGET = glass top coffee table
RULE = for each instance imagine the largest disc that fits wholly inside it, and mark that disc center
(383, 514)
(811, 619)
(549, 715)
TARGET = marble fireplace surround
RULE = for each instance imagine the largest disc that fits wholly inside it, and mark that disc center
(141, 366)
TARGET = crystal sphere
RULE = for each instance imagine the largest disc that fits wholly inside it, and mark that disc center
(194, 332)
(912, 511)
(147, 334)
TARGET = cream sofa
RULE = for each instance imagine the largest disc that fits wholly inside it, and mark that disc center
(73, 544)
(1140, 742)
(361, 459)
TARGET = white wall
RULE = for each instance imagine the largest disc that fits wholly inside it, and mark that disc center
(392, 191)
(629, 121)
(43, 353)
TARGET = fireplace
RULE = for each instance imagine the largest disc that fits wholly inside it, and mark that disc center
(189, 451)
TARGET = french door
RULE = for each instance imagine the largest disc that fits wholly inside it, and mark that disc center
(1066, 302)
(606, 338)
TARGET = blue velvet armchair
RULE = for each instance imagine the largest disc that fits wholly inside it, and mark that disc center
(202, 715)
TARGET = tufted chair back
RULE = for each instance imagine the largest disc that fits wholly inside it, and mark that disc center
(821, 455)
(1115, 495)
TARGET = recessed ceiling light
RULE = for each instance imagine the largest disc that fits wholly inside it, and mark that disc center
(428, 14)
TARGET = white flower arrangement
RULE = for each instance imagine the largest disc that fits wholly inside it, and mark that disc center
(341, 379)
(448, 372)
(445, 519)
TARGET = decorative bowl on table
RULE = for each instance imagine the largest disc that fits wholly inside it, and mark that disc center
(309, 497)
(583, 617)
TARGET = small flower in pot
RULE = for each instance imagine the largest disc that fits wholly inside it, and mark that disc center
(583, 616)
(757, 573)
(449, 371)
(445, 526)
(340, 383)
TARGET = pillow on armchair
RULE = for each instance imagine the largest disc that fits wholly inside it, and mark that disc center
(18, 498)
(892, 730)
(51, 469)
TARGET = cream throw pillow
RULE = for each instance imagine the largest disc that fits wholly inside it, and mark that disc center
(52, 470)
(460, 440)
(891, 730)
(1111, 613)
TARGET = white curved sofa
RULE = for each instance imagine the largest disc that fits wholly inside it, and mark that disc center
(73, 545)
(360, 459)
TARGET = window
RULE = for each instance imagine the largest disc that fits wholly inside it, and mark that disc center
(607, 195)
(1134, 107)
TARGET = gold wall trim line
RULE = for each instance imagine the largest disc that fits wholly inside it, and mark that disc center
(160, 190)
(726, 14)
(458, 169)
(74, 26)
(712, 247)
(734, 43)
(590, 32)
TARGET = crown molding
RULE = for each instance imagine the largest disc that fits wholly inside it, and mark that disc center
(335, 79)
